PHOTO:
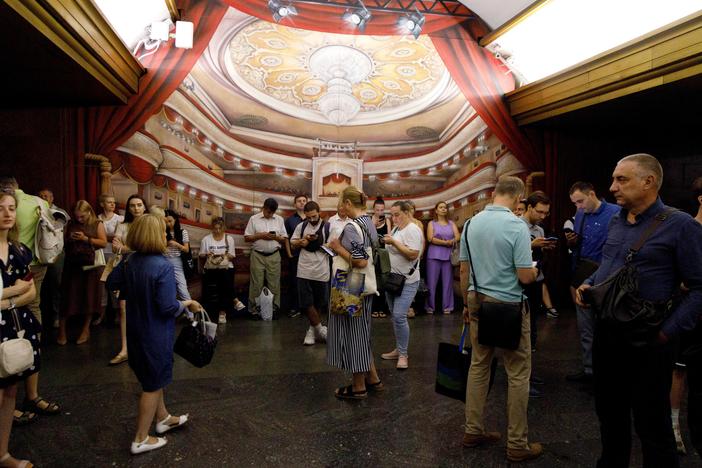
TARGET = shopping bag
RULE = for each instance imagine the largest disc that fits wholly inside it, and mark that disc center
(265, 304)
(346, 290)
(452, 366)
(197, 341)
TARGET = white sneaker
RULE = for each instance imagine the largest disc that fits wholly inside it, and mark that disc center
(680, 445)
(222, 318)
(321, 334)
(143, 446)
(238, 305)
(162, 427)
(309, 337)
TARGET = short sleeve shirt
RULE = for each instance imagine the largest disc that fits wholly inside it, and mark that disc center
(174, 252)
(110, 228)
(311, 265)
(410, 236)
(27, 218)
(259, 223)
(218, 247)
(500, 244)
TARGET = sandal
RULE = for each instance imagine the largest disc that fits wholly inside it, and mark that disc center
(20, 463)
(375, 314)
(24, 418)
(348, 393)
(119, 359)
(375, 387)
(34, 405)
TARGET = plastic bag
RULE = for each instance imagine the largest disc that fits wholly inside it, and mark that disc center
(265, 304)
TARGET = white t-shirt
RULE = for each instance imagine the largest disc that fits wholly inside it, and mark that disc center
(174, 252)
(110, 228)
(410, 236)
(259, 223)
(218, 247)
(311, 265)
(336, 226)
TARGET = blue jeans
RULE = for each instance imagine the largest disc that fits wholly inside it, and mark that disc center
(181, 284)
(399, 305)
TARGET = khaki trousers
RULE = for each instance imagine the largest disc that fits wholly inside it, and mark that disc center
(264, 269)
(518, 367)
(38, 274)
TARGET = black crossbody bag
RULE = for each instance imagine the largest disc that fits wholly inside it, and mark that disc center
(499, 323)
(584, 268)
(616, 300)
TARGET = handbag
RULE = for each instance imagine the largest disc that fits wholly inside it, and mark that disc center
(98, 262)
(452, 367)
(16, 354)
(346, 289)
(499, 323)
(196, 342)
(219, 262)
(395, 282)
(616, 300)
(111, 264)
(584, 268)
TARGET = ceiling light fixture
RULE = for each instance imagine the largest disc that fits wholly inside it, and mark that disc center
(160, 32)
(412, 23)
(358, 16)
(281, 10)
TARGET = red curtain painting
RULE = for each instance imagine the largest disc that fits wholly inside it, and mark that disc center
(102, 129)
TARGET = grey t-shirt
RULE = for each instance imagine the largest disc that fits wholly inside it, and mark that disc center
(535, 231)
(311, 265)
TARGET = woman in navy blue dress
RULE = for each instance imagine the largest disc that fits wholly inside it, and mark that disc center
(17, 291)
(146, 279)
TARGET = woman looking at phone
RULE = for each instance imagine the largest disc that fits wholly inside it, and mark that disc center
(217, 250)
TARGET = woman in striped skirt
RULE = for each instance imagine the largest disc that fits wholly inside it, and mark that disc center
(349, 338)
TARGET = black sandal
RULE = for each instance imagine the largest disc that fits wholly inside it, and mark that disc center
(375, 387)
(33, 405)
(348, 393)
(26, 417)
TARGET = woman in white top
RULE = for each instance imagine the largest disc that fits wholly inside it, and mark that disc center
(110, 220)
(217, 252)
(178, 243)
(136, 207)
(404, 246)
(337, 222)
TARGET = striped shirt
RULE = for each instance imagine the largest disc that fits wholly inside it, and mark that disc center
(173, 252)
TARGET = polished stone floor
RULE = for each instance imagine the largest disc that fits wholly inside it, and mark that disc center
(267, 401)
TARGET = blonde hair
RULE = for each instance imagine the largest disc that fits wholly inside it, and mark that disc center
(104, 196)
(157, 210)
(85, 207)
(355, 196)
(147, 234)
(13, 233)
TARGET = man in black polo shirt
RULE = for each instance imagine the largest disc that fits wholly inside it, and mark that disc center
(636, 378)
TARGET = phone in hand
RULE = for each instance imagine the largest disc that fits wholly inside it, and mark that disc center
(271, 232)
(567, 230)
(551, 239)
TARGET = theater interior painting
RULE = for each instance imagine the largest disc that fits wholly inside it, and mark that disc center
(261, 106)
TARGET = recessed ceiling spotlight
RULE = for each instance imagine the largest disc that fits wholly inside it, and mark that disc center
(280, 10)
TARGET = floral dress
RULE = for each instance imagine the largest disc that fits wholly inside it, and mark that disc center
(17, 267)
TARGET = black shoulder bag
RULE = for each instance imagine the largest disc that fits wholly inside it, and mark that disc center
(499, 323)
(584, 268)
(616, 300)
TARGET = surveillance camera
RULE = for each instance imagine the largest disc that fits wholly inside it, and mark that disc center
(498, 55)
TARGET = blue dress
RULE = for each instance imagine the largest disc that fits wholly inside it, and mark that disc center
(17, 267)
(147, 283)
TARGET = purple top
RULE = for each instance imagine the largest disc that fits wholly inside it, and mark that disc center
(443, 232)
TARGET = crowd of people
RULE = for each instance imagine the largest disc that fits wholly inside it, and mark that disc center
(336, 270)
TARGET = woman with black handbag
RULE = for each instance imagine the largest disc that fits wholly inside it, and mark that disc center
(404, 246)
(178, 245)
(17, 290)
(146, 277)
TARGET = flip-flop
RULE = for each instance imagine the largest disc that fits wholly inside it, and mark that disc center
(348, 393)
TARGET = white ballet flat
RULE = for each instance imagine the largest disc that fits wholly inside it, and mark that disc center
(143, 446)
(162, 427)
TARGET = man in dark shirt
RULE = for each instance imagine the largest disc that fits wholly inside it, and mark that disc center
(291, 223)
(636, 379)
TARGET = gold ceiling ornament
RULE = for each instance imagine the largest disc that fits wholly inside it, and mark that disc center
(278, 61)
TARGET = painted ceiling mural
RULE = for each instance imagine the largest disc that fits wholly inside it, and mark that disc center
(265, 101)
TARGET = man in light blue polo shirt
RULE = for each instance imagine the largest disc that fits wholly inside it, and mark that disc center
(500, 253)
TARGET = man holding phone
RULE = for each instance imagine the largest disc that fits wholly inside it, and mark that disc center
(587, 239)
(266, 231)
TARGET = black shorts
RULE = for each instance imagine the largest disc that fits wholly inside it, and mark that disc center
(313, 293)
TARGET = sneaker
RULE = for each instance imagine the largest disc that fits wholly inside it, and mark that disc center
(533, 450)
(292, 313)
(238, 305)
(551, 313)
(309, 337)
(402, 362)
(143, 446)
(429, 312)
(476, 440)
(320, 335)
(391, 356)
(680, 445)
(222, 318)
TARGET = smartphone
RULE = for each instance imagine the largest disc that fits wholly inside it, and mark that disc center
(271, 232)
(551, 239)
(329, 251)
(313, 236)
(567, 230)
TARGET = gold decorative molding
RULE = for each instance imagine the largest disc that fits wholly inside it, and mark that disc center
(78, 29)
(518, 18)
(105, 172)
(173, 10)
(661, 57)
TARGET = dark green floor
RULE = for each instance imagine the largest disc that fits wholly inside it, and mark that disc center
(267, 401)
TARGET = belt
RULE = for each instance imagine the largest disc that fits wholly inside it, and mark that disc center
(267, 254)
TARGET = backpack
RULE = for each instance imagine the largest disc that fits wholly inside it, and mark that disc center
(48, 238)
(381, 259)
(322, 236)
